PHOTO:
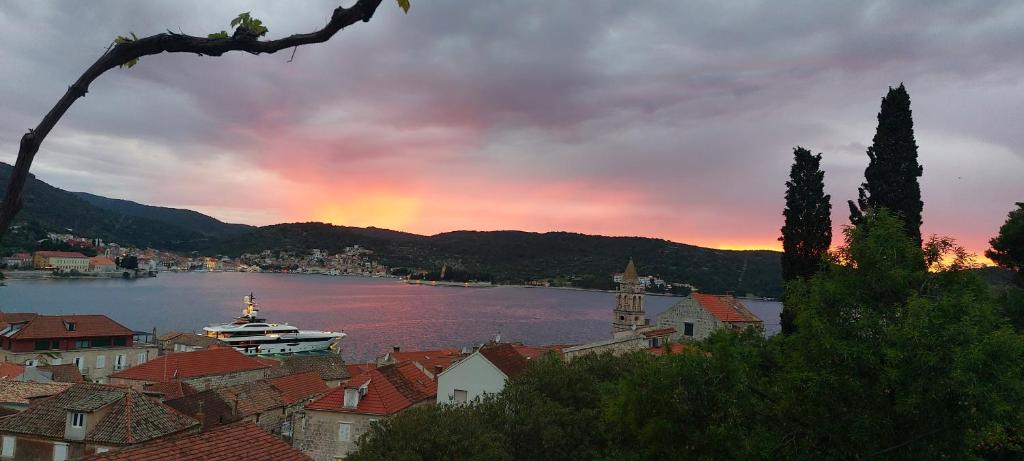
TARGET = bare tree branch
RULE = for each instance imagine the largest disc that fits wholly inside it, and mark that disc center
(170, 42)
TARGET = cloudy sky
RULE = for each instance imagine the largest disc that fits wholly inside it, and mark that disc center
(666, 119)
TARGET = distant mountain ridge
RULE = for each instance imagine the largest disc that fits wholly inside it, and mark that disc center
(505, 256)
(188, 219)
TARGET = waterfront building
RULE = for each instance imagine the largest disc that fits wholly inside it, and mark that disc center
(697, 315)
(236, 442)
(86, 419)
(485, 371)
(203, 369)
(61, 261)
(19, 261)
(95, 344)
(101, 264)
(333, 423)
(629, 311)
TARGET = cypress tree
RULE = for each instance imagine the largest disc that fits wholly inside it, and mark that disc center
(807, 232)
(892, 172)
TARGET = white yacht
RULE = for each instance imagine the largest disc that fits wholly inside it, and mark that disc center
(252, 335)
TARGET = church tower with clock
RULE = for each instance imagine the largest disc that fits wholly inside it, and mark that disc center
(629, 304)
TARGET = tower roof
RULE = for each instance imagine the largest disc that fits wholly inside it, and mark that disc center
(630, 274)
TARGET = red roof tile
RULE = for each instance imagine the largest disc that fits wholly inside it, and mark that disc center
(299, 387)
(389, 389)
(64, 373)
(60, 254)
(506, 358)
(725, 308)
(676, 348)
(429, 359)
(656, 333)
(58, 326)
(184, 365)
(242, 441)
(10, 370)
(170, 389)
(355, 369)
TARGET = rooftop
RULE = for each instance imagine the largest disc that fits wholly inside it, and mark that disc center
(330, 367)
(242, 441)
(22, 392)
(60, 254)
(725, 308)
(505, 358)
(64, 373)
(184, 365)
(130, 417)
(389, 389)
(35, 326)
(299, 387)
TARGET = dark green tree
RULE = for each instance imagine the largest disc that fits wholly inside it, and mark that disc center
(892, 172)
(807, 232)
(1008, 247)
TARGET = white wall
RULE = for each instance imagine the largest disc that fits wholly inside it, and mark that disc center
(474, 374)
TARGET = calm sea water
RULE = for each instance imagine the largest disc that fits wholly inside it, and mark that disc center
(375, 313)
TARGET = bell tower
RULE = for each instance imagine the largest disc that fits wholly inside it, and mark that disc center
(629, 302)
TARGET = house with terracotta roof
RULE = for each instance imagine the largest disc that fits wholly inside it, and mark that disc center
(332, 423)
(697, 315)
(86, 419)
(17, 395)
(102, 264)
(177, 341)
(430, 359)
(484, 372)
(18, 261)
(235, 442)
(269, 403)
(61, 261)
(331, 368)
(203, 369)
(95, 344)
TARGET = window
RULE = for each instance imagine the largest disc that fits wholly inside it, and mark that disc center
(82, 344)
(344, 432)
(142, 358)
(79, 363)
(351, 398)
(77, 419)
(8, 447)
(687, 329)
(60, 451)
(120, 341)
(460, 396)
(101, 361)
(30, 363)
(71, 326)
(119, 362)
(42, 345)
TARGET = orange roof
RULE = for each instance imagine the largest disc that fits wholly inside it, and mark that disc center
(532, 352)
(242, 441)
(298, 387)
(725, 308)
(184, 365)
(10, 370)
(506, 358)
(59, 326)
(60, 254)
(429, 359)
(389, 389)
(101, 261)
(356, 369)
(676, 348)
(170, 389)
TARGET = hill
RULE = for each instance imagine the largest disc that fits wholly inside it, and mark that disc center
(50, 209)
(519, 257)
(186, 219)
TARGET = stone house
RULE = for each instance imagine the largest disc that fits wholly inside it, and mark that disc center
(485, 371)
(331, 368)
(203, 369)
(86, 419)
(333, 423)
(95, 344)
(235, 442)
(699, 314)
(177, 341)
(428, 359)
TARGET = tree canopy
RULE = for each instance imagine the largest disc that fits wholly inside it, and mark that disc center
(1008, 247)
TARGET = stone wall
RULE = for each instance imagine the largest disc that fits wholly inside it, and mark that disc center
(316, 433)
(92, 368)
(688, 310)
(203, 383)
(617, 346)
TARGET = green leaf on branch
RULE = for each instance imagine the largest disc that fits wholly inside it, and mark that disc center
(221, 34)
(130, 64)
(404, 5)
(246, 21)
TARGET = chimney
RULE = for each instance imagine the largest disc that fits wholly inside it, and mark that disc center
(396, 349)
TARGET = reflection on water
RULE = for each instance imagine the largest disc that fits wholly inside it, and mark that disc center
(376, 313)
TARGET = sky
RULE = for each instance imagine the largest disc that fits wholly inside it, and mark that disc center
(669, 119)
